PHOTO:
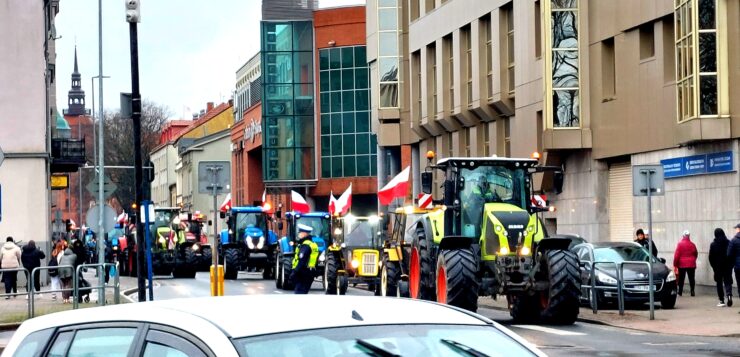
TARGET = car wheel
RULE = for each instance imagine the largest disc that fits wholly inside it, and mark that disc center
(668, 302)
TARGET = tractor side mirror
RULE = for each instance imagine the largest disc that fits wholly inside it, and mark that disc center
(210, 223)
(557, 181)
(222, 215)
(426, 182)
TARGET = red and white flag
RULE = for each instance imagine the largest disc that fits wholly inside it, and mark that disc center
(343, 204)
(332, 203)
(425, 201)
(539, 200)
(227, 203)
(122, 218)
(397, 187)
(298, 203)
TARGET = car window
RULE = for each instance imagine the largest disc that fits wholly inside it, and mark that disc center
(59, 348)
(115, 341)
(164, 344)
(404, 340)
(583, 254)
(33, 343)
(621, 254)
(156, 350)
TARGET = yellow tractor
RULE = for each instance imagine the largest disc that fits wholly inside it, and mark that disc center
(487, 240)
(354, 255)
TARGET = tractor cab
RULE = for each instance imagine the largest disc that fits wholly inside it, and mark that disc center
(162, 228)
(190, 232)
(354, 255)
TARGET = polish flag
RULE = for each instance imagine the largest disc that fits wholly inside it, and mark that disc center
(344, 202)
(332, 203)
(227, 203)
(298, 203)
(397, 187)
(122, 218)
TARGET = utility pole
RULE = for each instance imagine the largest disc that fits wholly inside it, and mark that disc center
(133, 16)
(101, 159)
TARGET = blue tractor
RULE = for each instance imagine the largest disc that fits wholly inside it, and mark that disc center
(321, 224)
(248, 242)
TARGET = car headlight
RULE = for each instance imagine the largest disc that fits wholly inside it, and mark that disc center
(261, 242)
(322, 257)
(250, 243)
(355, 263)
(671, 276)
(606, 279)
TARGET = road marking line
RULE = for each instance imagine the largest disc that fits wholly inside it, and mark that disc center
(278, 292)
(676, 343)
(550, 330)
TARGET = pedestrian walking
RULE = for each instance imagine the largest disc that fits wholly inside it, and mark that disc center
(733, 255)
(643, 240)
(10, 258)
(31, 258)
(721, 266)
(66, 274)
(685, 260)
(56, 257)
(304, 261)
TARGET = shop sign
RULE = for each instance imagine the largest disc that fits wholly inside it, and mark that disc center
(252, 129)
(703, 164)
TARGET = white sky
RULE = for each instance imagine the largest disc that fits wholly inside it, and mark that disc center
(189, 50)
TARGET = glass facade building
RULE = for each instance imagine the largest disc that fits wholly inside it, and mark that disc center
(288, 101)
(348, 146)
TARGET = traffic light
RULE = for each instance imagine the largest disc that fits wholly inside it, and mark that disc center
(133, 11)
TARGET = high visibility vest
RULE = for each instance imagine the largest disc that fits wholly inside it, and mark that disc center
(314, 254)
(163, 232)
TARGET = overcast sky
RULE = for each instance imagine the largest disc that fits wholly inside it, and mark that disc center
(189, 50)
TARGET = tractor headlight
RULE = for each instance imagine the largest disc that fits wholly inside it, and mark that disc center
(322, 257)
(524, 251)
(504, 251)
(355, 263)
(337, 231)
(196, 247)
(671, 276)
(606, 279)
(261, 242)
(343, 245)
(291, 243)
(250, 243)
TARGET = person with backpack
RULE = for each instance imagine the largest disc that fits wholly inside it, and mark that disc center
(31, 258)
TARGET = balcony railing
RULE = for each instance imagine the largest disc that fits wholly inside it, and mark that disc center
(67, 155)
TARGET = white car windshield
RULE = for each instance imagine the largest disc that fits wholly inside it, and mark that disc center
(403, 340)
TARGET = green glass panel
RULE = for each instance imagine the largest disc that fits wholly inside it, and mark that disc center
(324, 81)
(277, 91)
(348, 143)
(349, 166)
(373, 143)
(336, 123)
(304, 99)
(282, 134)
(336, 145)
(348, 100)
(348, 79)
(360, 56)
(373, 165)
(304, 164)
(363, 165)
(325, 124)
(362, 100)
(303, 36)
(273, 167)
(325, 102)
(278, 68)
(361, 78)
(336, 167)
(335, 77)
(325, 145)
(363, 144)
(323, 59)
(325, 167)
(304, 131)
(335, 60)
(336, 102)
(277, 37)
(348, 60)
(348, 122)
(303, 67)
(363, 122)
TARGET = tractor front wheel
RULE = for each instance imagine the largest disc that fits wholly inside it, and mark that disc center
(390, 275)
(285, 269)
(421, 268)
(231, 266)
(560, 303)
(456, 281)
(330, 275)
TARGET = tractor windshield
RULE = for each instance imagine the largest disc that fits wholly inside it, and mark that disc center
(246, 220)
(162, 218)
(320, 226)
(361, 234)
(489, 184)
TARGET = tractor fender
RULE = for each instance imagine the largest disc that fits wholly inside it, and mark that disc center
(285, 246)
(455, 242)
(272, 238)
(224, 236)
(546, 244)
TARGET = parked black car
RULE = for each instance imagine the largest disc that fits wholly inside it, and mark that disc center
(636, 279)
(574, 239)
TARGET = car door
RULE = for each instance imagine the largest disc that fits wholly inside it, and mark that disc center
(164, 341)
(111, 339)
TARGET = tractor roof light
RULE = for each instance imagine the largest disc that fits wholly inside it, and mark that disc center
(267, 207)
(409, 209)
(536, 155)
(430, 155)
(552, 209)
(337, 231)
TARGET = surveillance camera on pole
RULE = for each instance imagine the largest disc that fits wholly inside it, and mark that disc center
(133, 11)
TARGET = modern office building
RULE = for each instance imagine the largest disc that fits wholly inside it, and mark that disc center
(597, 86)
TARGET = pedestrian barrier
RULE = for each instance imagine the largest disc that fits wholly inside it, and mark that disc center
(32, 296)
(102, 268)
(650, 288)
(16, 293)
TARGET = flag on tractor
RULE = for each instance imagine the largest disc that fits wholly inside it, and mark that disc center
(298, 203)
(397, 187)
(226, 205)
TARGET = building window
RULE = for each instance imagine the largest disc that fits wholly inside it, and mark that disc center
(669, 51)
(507, 137)
(416, 68)
(608, 69)
(647, 41)
(562, 64)
(467, 141)
(432, 79)
(388, 53)
(468, 48)
(450, 145)
(537, 30)
(487, 139)
(450, 70)
(486, 29)
(348, 146)
(510, 61)
(428, 5)
(414, 10)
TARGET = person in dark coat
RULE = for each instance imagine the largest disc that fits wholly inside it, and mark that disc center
(304, 260)
(31, 258)
(733, 255)
(643, 240)
(80, 251)
(721, 267)
(685, 260)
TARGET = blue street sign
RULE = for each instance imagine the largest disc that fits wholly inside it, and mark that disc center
(698, 164)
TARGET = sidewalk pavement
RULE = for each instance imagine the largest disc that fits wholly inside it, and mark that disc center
(15, 310)
(693, 315)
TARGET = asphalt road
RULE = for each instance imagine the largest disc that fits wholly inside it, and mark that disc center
(580, 339)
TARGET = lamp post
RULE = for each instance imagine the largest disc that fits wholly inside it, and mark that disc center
(101, 158)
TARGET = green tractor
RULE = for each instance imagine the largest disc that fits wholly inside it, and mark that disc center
(487, 240)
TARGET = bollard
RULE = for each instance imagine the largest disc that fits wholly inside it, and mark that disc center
(217, 280)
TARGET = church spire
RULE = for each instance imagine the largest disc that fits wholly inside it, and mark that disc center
(76, 101)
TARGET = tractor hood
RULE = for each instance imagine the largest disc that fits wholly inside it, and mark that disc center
(508, 225)
(253, 232)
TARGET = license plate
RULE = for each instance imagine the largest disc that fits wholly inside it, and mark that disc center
(643, 287)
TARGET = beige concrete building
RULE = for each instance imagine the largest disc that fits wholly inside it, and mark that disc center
(598, 86)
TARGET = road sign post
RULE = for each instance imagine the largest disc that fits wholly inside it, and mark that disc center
(147, 215)
(648, 180)
(214, 178)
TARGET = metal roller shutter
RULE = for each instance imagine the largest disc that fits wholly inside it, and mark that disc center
(620, 202)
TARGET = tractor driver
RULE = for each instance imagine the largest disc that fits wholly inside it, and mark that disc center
(304, 261)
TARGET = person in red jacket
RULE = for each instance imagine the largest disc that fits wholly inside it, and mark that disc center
(685, 260)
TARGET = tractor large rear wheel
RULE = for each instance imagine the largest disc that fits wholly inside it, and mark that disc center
(421, 268)
(560, 303)
(456, 281)
(330, 275)
(278, 271)
(232, 263)
(286, 264)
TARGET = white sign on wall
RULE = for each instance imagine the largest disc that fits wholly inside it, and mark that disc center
(252, 129)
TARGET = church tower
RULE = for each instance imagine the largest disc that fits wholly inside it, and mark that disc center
(76, 101)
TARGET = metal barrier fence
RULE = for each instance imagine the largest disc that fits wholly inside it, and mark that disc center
(102, 268)
(16, 293)
(32, 280)
(651, 287)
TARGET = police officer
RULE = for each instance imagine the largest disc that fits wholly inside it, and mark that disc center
(304, 261)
